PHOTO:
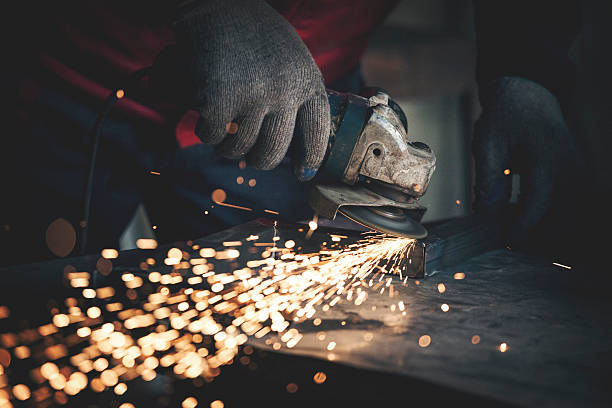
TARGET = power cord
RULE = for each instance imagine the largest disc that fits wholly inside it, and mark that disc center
(96, 137)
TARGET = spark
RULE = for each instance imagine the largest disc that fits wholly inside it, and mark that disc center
(194, 328)
(109, 253)
(312, 226)
(319, 377)
(238, 207)
(189, 402)
(146, 243)
(424, 340)
(231, 128)
(503, 347)
(21, 392)
(120, 388)
(561, 265)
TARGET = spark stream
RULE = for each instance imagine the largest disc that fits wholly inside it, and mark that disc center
(195, 329)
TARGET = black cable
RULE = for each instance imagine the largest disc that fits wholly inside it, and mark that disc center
(96, 136)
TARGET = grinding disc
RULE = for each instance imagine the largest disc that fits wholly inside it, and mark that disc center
(390, 220)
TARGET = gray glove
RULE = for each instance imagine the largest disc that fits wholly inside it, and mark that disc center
(255, 84)
(521, 128)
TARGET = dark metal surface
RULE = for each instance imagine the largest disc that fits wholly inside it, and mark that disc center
(559, 351)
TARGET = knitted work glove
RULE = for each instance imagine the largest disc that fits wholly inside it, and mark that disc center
(521, 128)
(254, 84)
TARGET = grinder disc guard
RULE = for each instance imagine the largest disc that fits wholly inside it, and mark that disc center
(388, 219)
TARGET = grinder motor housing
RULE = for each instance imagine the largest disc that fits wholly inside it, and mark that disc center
(372, 173)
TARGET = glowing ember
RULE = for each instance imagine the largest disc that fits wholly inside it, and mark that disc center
(146, 243)
(110, 253)
(189, 402)
(217, 404)
(21, 392)
(319, 377)
(561, 265)
(424, 340)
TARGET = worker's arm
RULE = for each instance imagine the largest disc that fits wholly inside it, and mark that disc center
(527, 39)
(252, 81)
(525, 78)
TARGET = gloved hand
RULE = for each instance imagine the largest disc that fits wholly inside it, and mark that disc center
(254, 84)
(521, 128)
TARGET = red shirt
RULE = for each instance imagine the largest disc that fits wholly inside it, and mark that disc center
(335, 32)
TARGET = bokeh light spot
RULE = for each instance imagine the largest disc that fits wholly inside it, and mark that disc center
(424, 340)
(218, 196)
(319, 377)
(60, 237)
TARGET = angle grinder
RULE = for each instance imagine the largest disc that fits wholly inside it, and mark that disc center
(372, 173)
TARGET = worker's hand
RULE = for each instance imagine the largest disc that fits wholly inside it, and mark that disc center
(255, 84)
(521, 129)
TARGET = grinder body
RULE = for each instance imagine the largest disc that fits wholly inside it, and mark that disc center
(373, 173)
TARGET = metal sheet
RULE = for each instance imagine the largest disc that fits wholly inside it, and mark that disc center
(555, 326)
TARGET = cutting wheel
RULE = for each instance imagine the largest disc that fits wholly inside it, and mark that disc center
(391, 220)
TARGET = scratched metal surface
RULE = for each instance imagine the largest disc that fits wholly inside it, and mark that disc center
(560, 347)
(558, 332)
